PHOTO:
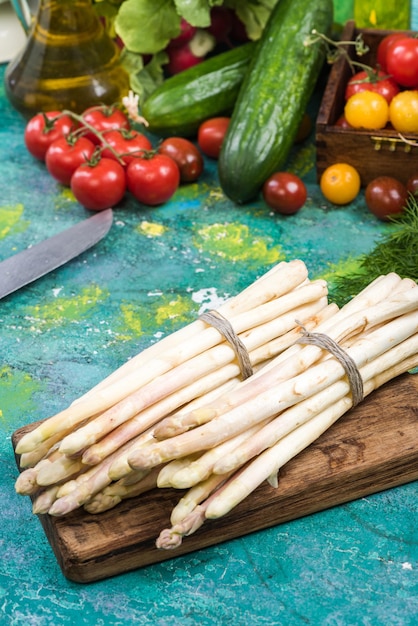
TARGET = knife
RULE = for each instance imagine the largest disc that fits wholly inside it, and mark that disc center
(30, 264)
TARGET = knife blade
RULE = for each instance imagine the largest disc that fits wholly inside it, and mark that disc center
(32, 263)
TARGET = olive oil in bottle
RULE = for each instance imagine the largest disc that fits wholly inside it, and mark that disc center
(68, 62)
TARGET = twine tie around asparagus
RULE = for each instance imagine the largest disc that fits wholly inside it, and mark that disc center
(324, 341)
(218, 321)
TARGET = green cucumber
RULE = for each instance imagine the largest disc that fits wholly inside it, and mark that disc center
(273, 97)
(184, 101)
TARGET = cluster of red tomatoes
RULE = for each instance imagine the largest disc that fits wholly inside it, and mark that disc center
(101, 157)
(386, 96)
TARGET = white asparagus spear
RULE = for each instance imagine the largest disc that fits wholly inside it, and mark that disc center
(171, 538)
(119, 467)
(60, 469)
(115, 493)
(97, 479)
(202, 467)
(169, 469)
(44, 449)
(283, 279)
(30, 459)
(195, 496)
(27, 481)
(26, 484)
(43, 501)
(270, 461)
(289, 392)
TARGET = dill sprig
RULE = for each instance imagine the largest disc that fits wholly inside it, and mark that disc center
(396, 251)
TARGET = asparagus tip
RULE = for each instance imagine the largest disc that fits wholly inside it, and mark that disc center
(168, 540)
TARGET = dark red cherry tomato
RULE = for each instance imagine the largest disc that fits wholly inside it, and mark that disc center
(386, 196)
(284, 192)
(412, 185)
(127, 144)
(103, 119)
(65, 154)
(211, 134)
(379, 82)
(186, 155)
(153, 179)
(43, 129)
(100, 184)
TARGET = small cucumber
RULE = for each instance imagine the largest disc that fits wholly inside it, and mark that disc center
(208, 89)
(273, 97)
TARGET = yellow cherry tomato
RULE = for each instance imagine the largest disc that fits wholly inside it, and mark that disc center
(340, 183)
(367, 110)
(403, 113)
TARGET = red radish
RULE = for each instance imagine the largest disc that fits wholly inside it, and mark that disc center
(187, 32)
(183, 57)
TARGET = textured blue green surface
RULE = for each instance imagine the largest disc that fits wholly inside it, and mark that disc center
(354, 564)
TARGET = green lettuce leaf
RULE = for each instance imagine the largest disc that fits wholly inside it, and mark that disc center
(196, 12)
(144, 78)
(253, 13)
(147, 26)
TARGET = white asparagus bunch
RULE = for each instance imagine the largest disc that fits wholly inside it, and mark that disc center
(272, 443)
(85, 446)
(179, 414)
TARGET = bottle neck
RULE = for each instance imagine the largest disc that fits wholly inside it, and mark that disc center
(66, 17)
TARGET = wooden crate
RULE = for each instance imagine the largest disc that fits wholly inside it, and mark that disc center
(372, 153)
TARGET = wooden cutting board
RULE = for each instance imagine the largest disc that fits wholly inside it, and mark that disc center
(372, 448)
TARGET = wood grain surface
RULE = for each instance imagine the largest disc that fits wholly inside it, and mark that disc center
(372, 448)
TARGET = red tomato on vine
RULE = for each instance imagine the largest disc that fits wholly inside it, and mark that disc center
(65, 154)
(153, 179)
(103, 119)
(127, 144)
(378, 82)
(99, 184)
(43, 129)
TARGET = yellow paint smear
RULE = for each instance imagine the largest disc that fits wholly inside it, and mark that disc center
(235, 242)
(11, 220)
(151, 229)
(63, 310)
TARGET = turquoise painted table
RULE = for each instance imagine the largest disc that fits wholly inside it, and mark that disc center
(354, 564)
